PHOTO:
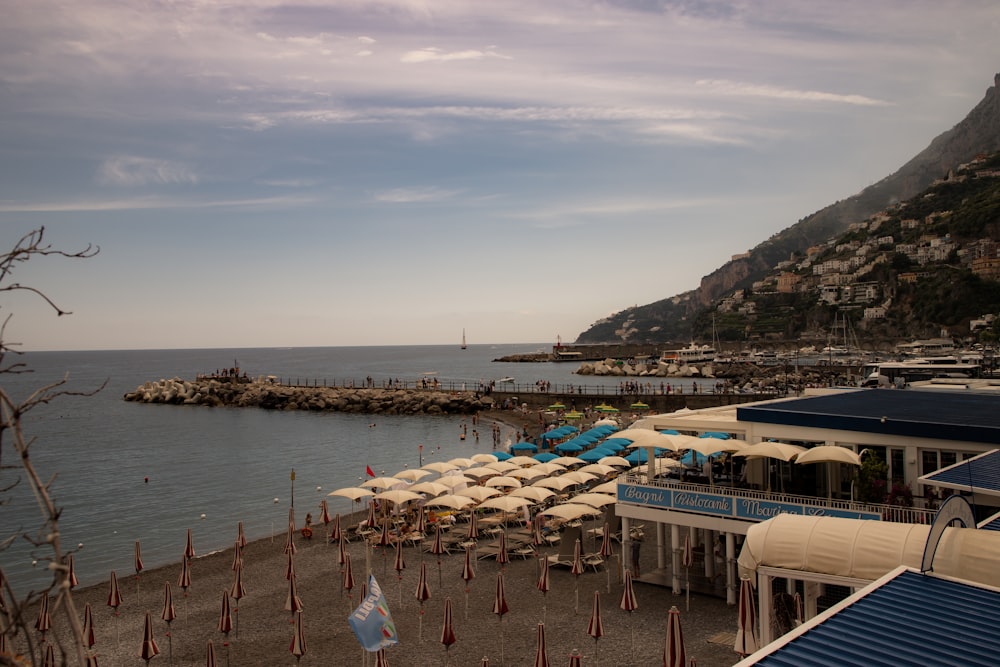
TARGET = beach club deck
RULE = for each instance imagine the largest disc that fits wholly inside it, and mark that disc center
(686, 513)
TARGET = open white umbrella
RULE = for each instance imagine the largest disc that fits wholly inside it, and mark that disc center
(462, 462)
(450, 500)
(523, 461)
(772, 450)
(501, 467)
(594, 499)
(453, 481)
(556, 483)
(440, 467)
(478, 493)
(644, 437)
(429, 488)
(412, 474)
(570, 511)
(616, 461)
(578, 476)
(503, 482)
(480, 473)
(526, 474)
(829, 454)
(710, 446)
(608, 487)
(398, 496)
(505, 503)
(354, 493)
(568, 461)
(383, 483)
(549, 468)
(484, 458)
(597, 469)
(535, 493)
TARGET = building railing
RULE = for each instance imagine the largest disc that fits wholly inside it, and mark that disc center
(753, 504)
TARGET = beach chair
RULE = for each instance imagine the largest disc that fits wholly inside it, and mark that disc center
(567, 546)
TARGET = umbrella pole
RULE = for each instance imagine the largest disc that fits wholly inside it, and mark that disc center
(170, 646)
(687, 586)
(466, 603)
(501, 641)
(420, 625)
(236, 624)
(440, 585)
(596, 661)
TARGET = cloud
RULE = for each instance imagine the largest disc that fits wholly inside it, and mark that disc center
(132, 171)
(432, 54)
(146, 203)
(414, 195)
(740, 89)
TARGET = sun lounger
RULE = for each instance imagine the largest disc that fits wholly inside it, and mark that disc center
(567, 547)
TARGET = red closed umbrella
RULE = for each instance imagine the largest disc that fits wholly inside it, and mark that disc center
(237, 591)
(473, 533)
(447, 630)
(225, 625)
(576, 570)
(541, 656)
(293, 603)
(138, 570)
(149, 648)
(437, 548)
(290, 538)
(502, 556)
(290, 567)
(399, 565)
(168, 614)
(746, 628)
(674, 654)
(50, 657)
(607, 549)
(544, 585)
(596, 626)
(575, 658)
(184, 581)
(468, 574)
(237, 554)
(423, 594)
(298, 645)
(89, 638)
(336, 532)
(241, 537)
(324, 513)
(210, 655)
(115, 601)
(500, 608)
(347, 580)
(44, 621)
(71, 574)
(380, 659)
(629, 604)
(189, 547)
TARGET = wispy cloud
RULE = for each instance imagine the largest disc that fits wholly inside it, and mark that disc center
(415, 195)
(132, 170)
(744, 89)
(147, 203)
(433, 54)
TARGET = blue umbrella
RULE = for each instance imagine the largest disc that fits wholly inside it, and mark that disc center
(692, 457)
(524, 447)
(715, 434)
(502, 456)
(568, 448)
(545, 457)
(615, 445)
(637, 456)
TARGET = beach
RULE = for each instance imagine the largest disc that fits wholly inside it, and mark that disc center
(264, 629)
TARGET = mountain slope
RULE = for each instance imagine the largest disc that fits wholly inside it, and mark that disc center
(670, 319)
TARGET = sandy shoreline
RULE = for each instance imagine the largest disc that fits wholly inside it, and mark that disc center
(265, 630)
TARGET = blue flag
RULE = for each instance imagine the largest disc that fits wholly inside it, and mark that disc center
(372, 622)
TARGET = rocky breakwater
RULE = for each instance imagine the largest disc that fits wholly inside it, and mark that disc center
(270, 396)
(618, 368)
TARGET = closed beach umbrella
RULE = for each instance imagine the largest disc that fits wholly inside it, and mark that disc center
(576, 569)
(168, 615)
(184, 580)
(293, 603)
(238, 591)
(607, 549)
(290, 567)
(71, 575)
(324, 513)
(575, 659)
(437, 548)
(138, 567)
(189, 546)
(500, 608)
(115, 594)
(89, 638)
(44, 621)
(225, 625)
(629, 604)
(468, 574)
(210, 655)
(502, 556)
(149, 648)
(50, 657)
(674, 654)
(347, 580)
(290, 539)
(237, 554)
(423, 594)
(596, 627)
(342, 551)
(447, 629)
(541, 655)
(298, 645)
(544, 585)
(241, 537)
(746, 619)
(399, 565)
(472, 533)
(335, 531)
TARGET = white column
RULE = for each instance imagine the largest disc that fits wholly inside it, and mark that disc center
(661, 546)
(764, 597)
(710, 554)
(626, 544)
(731, 578)
(813, 589)
(675, 561)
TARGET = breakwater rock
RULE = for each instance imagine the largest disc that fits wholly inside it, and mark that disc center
(270, 396)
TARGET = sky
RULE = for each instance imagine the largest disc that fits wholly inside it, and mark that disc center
(266, 173)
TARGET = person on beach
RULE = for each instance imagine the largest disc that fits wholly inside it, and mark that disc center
(634, 551)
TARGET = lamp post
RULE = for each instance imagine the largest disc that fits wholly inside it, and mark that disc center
(292, 477)
(420, 450)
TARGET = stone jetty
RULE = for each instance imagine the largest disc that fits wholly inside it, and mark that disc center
(212, 392)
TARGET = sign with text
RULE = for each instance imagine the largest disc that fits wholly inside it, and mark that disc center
(735, 507)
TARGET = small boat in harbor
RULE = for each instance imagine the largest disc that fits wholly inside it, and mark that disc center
(692, 354)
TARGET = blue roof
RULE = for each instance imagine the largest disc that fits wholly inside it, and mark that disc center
(900, 412)
(980, 474)
(992, 523)
(910, 619)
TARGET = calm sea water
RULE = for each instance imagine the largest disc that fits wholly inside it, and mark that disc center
(210, 468)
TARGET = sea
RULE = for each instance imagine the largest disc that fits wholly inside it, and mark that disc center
(122, 472)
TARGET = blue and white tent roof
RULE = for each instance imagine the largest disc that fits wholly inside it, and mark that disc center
(980, 474)
(904, 618)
